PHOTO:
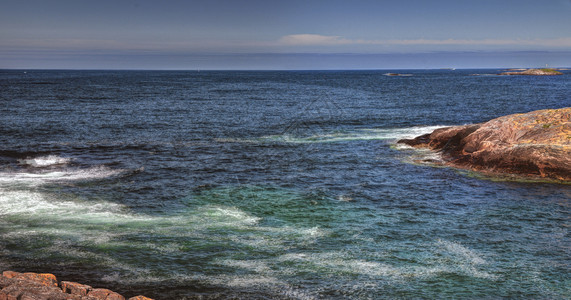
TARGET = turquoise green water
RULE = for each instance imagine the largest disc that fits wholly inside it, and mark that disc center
(279, 240)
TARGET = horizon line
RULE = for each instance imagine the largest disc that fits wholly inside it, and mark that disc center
(564, 68)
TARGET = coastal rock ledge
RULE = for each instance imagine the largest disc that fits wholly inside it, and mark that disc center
(535, 144)
(34, 286)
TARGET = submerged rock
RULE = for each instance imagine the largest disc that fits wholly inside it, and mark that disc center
(15, 285)
(535, 144)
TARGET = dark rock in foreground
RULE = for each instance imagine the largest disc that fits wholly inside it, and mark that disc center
(34, 286)
(535, 144)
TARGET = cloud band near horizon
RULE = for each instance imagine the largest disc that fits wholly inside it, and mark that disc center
(328, 40)
(286, 44)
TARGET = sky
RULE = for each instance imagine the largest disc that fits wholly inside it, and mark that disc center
(283, 35)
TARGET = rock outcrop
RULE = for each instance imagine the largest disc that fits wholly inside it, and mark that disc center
(534, 72)
(535, 144)
(34, 286)
(397, 74)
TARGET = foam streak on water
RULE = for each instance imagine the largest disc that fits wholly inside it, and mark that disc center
(343, 136)
(68, 175)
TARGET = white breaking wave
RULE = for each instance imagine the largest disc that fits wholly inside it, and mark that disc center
(65, 175)
(409, 132)
(419, 155)
(32, 203)
(45, 161)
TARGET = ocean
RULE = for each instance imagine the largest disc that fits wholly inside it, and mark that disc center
(273, 185)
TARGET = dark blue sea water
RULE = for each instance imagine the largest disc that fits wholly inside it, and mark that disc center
(272, 185)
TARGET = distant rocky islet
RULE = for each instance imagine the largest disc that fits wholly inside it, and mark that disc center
(533, 72)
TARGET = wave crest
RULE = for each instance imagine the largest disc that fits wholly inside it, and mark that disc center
(45, 161)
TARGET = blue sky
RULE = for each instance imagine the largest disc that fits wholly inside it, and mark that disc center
(223, 34)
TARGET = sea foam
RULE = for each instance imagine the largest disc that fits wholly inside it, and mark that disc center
(45, 161)
(63, 175)
(340, 136)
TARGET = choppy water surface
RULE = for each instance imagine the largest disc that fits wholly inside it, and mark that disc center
(279, 185)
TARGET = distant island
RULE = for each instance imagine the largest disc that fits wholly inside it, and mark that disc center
(396, 74)
(540, 72)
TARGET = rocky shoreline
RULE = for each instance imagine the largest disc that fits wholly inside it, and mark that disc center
(534, 145)
(36, 286)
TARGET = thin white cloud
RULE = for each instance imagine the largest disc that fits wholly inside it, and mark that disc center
(289, 43)
(314, 39)
(325, 40)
